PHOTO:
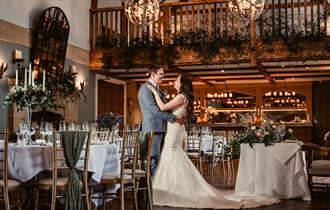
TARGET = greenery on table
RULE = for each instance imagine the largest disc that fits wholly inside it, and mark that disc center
(33, 97)
(64, 88)
(263, 132)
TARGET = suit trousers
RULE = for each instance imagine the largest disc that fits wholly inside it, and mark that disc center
(156, 150)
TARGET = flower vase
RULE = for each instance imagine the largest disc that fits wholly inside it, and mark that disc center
(28, 123)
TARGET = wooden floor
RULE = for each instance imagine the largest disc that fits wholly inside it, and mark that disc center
(320, 199)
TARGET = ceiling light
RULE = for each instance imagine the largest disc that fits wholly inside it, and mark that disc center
(142, 12)
(246, 9)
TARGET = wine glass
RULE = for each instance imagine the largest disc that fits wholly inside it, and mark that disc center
(18, 134)
(62, 126)
(44, 130)
(23, 127)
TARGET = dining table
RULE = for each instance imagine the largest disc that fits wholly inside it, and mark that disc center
(26, 161)
(275, 170)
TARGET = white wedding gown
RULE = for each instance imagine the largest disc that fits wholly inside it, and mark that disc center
(177, 182)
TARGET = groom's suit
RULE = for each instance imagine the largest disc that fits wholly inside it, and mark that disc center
(153, 119)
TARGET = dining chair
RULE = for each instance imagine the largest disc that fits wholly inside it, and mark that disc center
(67, 179)
(143, 173)
(212, 155)
(104, 136)
(8, 186)
(127, 177)
(193, 149)
(318, 165)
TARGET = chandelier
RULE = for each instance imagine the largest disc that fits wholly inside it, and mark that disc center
(142, 12)
(246, 9)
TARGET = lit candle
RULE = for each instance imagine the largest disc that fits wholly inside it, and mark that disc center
(43, 80)
(25, 82)
(16, 81)
(30, 76)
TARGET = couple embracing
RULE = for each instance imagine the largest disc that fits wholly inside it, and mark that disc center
(176, 182)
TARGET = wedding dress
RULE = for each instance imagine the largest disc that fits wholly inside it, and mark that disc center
(177, 182)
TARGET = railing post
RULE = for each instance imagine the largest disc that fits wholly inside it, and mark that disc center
(253, 38)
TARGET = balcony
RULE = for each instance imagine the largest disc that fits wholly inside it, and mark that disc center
(193, 35)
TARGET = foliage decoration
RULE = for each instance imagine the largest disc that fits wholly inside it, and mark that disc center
(32, 96)
(109, 120)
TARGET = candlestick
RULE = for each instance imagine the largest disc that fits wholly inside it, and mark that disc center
(32, 79)
(18, 54)
(16, 81)
(25, 82)
(43, 80)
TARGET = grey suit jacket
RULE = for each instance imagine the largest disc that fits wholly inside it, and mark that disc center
(153, 117)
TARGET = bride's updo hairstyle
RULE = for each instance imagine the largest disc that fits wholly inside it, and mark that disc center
(187, 89)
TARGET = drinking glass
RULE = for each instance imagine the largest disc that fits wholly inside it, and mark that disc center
(62, 126)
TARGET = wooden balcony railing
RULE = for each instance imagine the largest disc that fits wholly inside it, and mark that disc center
(285, 17)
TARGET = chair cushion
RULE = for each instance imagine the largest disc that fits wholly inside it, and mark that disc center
(320, 167)
(193, 154)
(11, 183)
(112, 179)
(138, 172)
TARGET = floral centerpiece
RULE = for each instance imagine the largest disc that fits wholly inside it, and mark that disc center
(211, 113)
(109, 120)
(32, 97)
(263, 133)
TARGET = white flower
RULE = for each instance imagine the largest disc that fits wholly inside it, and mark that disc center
(253, 127)
(290, 130)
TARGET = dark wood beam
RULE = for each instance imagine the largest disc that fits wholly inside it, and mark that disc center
(264, 72)
(94, 4)
(194, 78)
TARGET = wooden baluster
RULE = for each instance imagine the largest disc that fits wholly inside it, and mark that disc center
(193, 17)
(286, 17)
(209, 11)
(325, 15)
(299, 17)
(198, 16)
(312, 17)
(187, 18)
(91, 30)
(204, 18)
(116, 21)
(273, 15)
(103, 29)
(227, 19)
(305, 16)
(221, 21)
(96, 25)
(318, 18)
(181, 20)
(292, 17)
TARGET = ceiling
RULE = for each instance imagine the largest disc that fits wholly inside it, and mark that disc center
(265, 72)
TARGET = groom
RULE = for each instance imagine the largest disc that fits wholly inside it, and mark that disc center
(153, 118)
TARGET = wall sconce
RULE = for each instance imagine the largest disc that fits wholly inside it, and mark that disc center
(82, 85)
(17, 58)
(3, 68)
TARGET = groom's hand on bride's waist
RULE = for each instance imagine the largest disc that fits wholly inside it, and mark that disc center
(180, 119)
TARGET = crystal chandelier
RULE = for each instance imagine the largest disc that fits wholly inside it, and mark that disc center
(246, 9)
(142, 12)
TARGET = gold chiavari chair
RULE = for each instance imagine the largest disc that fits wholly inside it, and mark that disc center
(8, 186)
(127, 178)
(143, 174)
(193, 149)
(72, 148)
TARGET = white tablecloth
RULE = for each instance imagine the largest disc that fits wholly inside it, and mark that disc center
(25, 162)
(277, 170)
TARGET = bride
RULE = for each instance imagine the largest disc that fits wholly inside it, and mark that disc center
(177, 182)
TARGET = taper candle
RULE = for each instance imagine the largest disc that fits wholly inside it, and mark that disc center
(43, 80)
(16, 81)
(25, 82)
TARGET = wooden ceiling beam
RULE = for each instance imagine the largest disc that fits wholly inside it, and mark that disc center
(264, 72)
(194, 78)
